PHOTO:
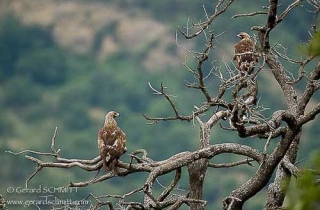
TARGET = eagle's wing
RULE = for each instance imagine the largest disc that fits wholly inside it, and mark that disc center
(119, 145)
(242, 47)
(244, 54)
(111, 143)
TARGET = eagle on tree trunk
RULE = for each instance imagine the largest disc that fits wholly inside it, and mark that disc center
(111, 141)
(244, 53)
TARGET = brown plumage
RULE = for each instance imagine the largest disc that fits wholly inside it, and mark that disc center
(244, 53)
(111, 141)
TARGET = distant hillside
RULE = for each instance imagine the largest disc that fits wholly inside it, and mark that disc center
(103, 29)
(65, 63)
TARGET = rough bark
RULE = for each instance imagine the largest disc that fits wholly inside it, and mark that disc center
(236, 103)
(197, 170)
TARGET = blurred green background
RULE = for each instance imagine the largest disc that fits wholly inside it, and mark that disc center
(66, 63)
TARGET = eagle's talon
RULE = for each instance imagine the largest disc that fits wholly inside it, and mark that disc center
(111, 142)
(245, 54)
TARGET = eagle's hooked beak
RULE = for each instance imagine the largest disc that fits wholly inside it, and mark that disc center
(116, 114)
(239, 35)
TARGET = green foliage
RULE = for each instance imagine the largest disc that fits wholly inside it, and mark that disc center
(304, 194)
(77, 118)
(314, 45)
(312, 48)
(21, 92)
(44, 86)
(46, 66)
(17, 41)
(6, 127)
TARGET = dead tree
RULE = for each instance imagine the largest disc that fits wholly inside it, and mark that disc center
(236, 104)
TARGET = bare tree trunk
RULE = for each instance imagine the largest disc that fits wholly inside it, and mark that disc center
(276, 193)
(197, 170)
(236, 103)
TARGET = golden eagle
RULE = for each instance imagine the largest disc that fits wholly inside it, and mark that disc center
(244, 53)
(111, 141)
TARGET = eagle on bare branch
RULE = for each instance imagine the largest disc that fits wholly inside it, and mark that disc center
(111, 141)
(245, 54)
